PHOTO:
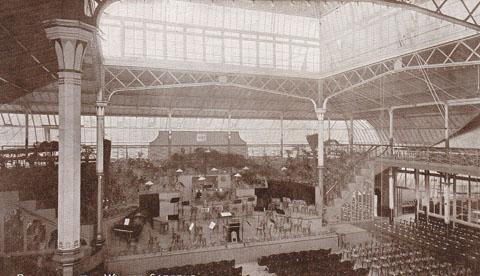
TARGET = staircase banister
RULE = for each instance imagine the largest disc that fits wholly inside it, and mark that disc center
(34, 214)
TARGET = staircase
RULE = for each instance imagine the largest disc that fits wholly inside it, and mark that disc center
(33, 208)
(355, 200)
(30, 215)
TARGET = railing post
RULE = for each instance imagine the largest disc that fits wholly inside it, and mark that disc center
(390, 128)
(478, 163)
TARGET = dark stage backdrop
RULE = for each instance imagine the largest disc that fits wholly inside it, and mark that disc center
(290, 189)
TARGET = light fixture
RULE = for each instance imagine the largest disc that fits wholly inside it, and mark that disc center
(149, 183)
(283, 169)
(214, 169)
(207, 151)
(179, 171)
(245, 168)
(201, 178)
(238, 175)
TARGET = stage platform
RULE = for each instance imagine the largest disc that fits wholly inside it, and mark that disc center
(242, 253)
(351, 234)
(139, 264)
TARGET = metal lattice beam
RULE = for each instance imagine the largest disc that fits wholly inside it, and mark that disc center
(463, 14)
(463, 52)
(124, 78)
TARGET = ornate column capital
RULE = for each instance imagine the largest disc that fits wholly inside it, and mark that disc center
(102, 103)
(100, 106)
(71, 39)
(320, 113)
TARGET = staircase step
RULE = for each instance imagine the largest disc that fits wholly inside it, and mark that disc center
(7, 198)
(47, 213)
(359, 179)
(365, 172)
(337, 201)
(333, 211)
(30, 205)
(351, 186)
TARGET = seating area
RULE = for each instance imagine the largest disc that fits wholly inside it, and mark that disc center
(460, 243)
(313, 262)
(455, 250)
(213, 269)
(397, 258)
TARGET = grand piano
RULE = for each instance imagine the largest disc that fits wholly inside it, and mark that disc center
(130, 226)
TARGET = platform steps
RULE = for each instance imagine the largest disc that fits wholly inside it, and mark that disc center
(35, 209)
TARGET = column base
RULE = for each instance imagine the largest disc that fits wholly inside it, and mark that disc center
(66, 261)
(99, 242)
(319, 206)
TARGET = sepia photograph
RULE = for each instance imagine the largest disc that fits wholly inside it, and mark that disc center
(239, 137)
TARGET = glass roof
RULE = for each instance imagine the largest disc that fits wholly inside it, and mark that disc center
(223, 32)
(185, 31)
(358, 33)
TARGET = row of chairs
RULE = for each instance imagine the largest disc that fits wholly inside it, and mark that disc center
(213, 269)
(441, 258)
(313, 262)
(460, 229)
(459, 243)
(398, 259)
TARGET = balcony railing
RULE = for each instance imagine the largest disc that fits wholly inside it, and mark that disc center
(452, 156)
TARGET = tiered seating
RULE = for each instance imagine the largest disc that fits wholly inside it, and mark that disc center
(214, 269)
(359, 209)
(313, 262)
(455, 246)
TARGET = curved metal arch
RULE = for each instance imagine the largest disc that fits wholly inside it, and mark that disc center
(102, 6)
(437, 13)
(126, 89)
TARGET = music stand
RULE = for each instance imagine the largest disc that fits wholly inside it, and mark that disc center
(225, 214)
(177, 201)
(184, 203)
(280, 211)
